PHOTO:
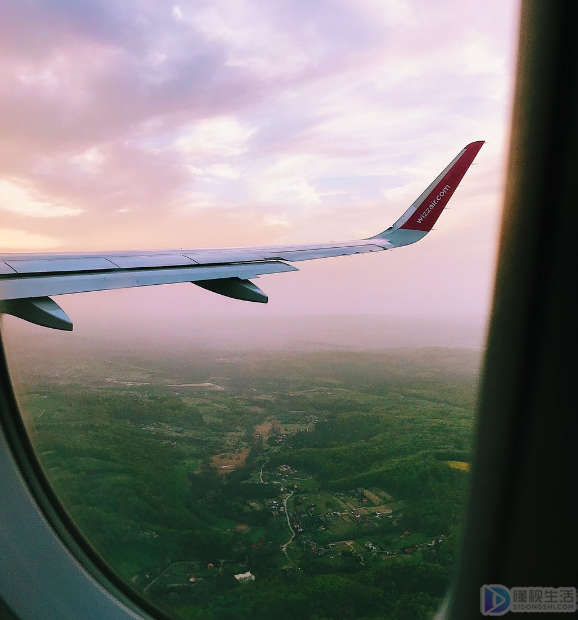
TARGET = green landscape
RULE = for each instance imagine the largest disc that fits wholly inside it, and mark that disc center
(235, 485)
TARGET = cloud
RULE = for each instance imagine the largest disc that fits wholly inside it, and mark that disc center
(17, 199)
(224, 170)
(306, 192)
(213, 123)
(217, 137)
(140, 124)
(21, 240)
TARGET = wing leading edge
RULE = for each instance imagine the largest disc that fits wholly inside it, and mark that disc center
(28, 280)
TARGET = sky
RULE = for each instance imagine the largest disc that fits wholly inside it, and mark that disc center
(138, 124)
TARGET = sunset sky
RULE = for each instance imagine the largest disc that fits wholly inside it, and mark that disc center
(213, 123)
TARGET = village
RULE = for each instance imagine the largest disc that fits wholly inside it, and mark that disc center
(316, 519)
(357, 526)
(306, 523)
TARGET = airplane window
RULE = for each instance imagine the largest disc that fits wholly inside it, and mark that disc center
(228, 459)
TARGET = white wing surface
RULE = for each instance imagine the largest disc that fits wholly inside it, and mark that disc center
(27, 281)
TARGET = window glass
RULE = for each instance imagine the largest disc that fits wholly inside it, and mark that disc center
(309, 456)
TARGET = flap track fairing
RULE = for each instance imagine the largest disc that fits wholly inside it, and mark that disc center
(235, 288)
(42, 311)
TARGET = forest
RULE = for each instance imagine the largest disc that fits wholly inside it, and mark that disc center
(321, 485)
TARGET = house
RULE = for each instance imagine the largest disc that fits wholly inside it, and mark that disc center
(244, 577)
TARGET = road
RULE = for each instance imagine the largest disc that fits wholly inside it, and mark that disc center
(261, 472)
(166, 569)
(284, 547)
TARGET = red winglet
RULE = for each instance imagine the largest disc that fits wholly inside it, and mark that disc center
(433, 203)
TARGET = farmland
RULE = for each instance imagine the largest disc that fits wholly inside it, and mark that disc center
(248, 486)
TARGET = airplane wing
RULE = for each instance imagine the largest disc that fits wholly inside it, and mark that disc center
(27, 281)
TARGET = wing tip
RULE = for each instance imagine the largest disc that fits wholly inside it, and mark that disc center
(476, 145)
(436, 196)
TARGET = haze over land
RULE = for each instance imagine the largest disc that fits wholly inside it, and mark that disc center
(309, 333)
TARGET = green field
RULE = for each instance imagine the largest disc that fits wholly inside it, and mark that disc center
(329, 477)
